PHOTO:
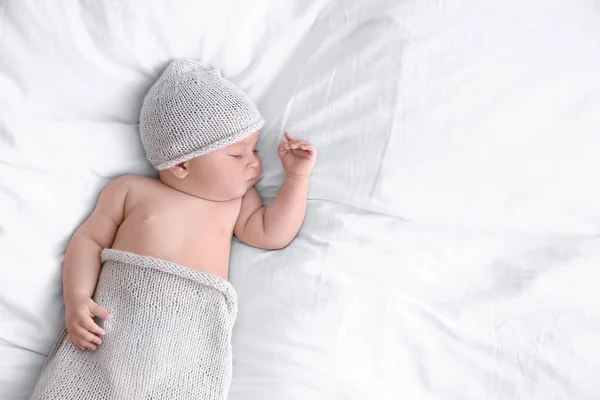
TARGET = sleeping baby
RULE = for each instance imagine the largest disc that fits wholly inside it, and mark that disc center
(149, 310)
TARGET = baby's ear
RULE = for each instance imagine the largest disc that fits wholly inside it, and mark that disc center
(180, 170)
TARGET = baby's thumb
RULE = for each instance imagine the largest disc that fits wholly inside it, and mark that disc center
(100, 311)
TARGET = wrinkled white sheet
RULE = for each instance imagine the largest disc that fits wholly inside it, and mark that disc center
(451, 248)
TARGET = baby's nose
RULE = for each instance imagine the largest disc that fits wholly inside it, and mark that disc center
(254, 161)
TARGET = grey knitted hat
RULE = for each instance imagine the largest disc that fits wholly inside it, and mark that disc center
(190, 111)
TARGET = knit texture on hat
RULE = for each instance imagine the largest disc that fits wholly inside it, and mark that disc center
(190, 111)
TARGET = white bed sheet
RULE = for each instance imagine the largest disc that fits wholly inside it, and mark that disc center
(451, 245)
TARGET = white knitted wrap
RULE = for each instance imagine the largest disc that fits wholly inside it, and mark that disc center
(191, 110)
(169, 338)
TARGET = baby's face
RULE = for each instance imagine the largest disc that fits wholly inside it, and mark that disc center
(229, 172)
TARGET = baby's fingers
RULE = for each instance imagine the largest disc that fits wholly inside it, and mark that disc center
(88, 345)
(305, 147)
(281, 149)
(295, 144)
(91, 326)
(87, 336)
(82, 344)
(310, 148)
(98, 311)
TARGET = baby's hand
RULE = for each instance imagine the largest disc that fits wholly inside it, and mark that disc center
(83, 331)
(297, 156)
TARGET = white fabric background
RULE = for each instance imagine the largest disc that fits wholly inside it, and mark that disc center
(451, 245)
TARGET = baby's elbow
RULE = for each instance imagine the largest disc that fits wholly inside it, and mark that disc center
(276, 246)
(278, 243)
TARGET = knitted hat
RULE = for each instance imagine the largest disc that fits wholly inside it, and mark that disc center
(190, 111)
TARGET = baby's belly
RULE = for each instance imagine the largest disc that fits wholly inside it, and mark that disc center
(203, 249)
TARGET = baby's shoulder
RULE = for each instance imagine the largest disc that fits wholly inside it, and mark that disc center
(127, 183)
(129, 180)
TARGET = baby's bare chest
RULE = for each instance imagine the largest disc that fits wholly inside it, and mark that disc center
(182, 215)
(192, 232)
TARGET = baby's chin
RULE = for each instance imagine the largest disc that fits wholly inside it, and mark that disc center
(247, 185)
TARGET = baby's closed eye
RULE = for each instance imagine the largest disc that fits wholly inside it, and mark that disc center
(255, 151)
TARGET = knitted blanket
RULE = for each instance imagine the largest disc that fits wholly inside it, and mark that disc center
(169, 336)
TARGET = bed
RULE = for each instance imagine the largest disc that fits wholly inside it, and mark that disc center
(451, 247)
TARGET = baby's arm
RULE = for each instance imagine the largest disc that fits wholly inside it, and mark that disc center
(275, 226)
(81, 266)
